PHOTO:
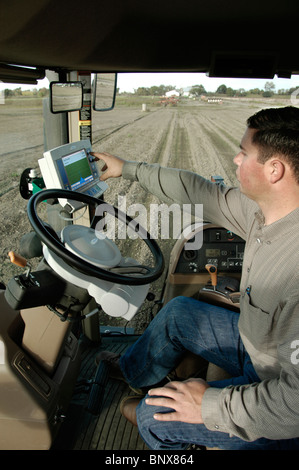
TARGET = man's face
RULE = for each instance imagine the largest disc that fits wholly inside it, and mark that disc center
(250, 173)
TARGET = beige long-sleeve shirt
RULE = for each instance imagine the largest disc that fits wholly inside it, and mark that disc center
(269, 317)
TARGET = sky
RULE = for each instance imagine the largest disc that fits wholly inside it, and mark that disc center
(130, 81)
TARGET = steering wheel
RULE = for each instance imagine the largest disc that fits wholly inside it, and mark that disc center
(51, 240)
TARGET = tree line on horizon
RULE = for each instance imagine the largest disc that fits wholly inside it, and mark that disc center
(161, 90)
(199, 90)
(34, 93)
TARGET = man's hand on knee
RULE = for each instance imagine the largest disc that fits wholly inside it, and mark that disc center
(184, 398)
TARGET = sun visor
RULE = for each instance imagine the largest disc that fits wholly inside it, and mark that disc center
(16, 74)
(243, 64)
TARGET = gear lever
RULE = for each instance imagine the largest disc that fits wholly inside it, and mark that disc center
(213, 273)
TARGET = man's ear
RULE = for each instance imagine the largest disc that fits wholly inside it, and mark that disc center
(276, 170)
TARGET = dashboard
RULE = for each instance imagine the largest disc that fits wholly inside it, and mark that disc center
(220, 247)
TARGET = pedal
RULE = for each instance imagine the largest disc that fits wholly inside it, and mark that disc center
(97, 390)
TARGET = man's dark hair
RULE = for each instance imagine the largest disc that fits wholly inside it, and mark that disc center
(277, 133)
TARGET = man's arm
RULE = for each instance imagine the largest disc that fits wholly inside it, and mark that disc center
(221, 205)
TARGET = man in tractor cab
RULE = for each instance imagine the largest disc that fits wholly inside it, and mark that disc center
(257, 408)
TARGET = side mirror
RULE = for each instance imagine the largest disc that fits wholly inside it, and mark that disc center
(66, 96)
(104, 91)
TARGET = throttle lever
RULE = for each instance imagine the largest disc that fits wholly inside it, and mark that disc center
(19, 260)
(213, 273)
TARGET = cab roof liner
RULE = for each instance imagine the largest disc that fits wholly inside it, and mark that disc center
(229, 38)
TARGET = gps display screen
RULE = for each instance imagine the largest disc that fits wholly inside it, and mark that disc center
(77, 169)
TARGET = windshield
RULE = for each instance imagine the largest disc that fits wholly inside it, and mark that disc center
(184, 121)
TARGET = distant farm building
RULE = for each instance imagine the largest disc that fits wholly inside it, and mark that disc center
(168, 94)
(187, 91)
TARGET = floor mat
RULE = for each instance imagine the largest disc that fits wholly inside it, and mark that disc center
(107, 430)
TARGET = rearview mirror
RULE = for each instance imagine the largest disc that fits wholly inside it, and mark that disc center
(104, 91)
(66, 96)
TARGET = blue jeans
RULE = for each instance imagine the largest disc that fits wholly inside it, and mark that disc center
(186, 324)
